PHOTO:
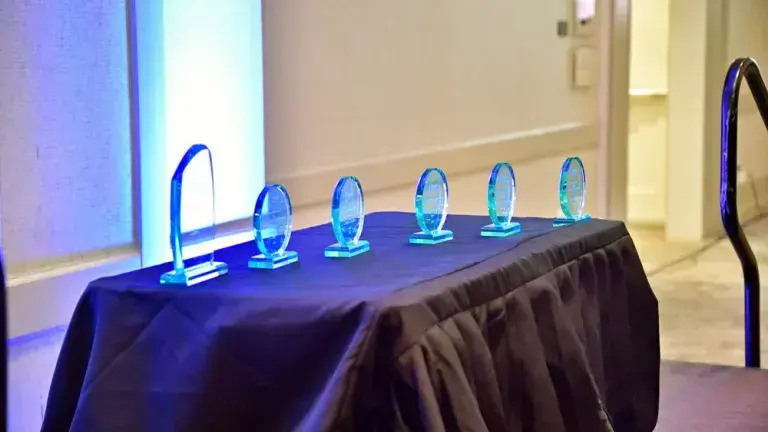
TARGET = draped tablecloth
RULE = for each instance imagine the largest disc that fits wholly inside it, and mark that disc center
(553, 329)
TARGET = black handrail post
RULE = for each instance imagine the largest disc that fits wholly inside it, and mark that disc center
(743, 68)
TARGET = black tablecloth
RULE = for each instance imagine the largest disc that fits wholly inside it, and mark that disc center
(544, 331)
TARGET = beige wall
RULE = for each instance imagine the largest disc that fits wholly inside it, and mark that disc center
(745, 35)
(748, 37)
(384, 89)
(647, 161)
(698, 37)
(649, 45)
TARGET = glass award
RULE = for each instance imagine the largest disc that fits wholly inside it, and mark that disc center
(193, 219)
(347, 217)
(431, 202)
(272, 221)
(501, 202)
(573, 192)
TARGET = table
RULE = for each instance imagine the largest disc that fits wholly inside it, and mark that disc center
(547, 330)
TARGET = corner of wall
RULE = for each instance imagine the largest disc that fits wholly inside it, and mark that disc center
(752, 196)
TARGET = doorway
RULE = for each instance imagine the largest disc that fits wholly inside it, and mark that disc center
(648, 117)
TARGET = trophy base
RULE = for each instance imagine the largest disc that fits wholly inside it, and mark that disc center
(195, 274)
(430, 239)
(569, 221)
(264, 262)
(338, 251)
(501, 230)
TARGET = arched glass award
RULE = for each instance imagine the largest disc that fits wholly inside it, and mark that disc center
(193, 219)
(501, 202)
(272, 221)
(347, 217)
(573, 192)
(431, 202)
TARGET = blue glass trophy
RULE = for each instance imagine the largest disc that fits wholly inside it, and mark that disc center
(272, 221)
(193, 219)
(501, 202)
(431, 203)
(347, 217)
(573, 192)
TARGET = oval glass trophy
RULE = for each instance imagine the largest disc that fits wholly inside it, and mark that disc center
(431, 202)
(573, 192)
(501, 202)
(193, 219)
(272, 222)
(347, 217)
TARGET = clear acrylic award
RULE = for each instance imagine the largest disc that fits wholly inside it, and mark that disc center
(272, 221)
(431, 202)
(347, 217)
(193, 219)
(501, 202)
(573, 192)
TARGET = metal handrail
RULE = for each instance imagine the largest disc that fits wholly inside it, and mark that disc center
(743, 68)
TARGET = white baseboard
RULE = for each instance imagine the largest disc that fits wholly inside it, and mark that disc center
(377, 175)
(44, 299)
(40, 301)
(752, 202)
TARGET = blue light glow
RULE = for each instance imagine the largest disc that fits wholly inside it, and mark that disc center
(199, 80)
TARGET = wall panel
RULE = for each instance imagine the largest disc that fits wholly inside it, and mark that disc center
(66, 175)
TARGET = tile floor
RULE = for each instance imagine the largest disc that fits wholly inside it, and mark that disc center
(701, 295)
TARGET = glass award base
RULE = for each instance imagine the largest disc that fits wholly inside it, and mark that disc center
(500, 230)
(430, 239)
(195, 274)
(569, 221)
(270, 263)
(336, 250)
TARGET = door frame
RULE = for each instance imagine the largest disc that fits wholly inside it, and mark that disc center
(613, 107)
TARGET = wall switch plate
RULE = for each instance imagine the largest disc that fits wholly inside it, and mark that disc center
(584, 67)
(562, 28)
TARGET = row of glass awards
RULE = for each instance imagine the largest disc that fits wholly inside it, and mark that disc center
(192, 196)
